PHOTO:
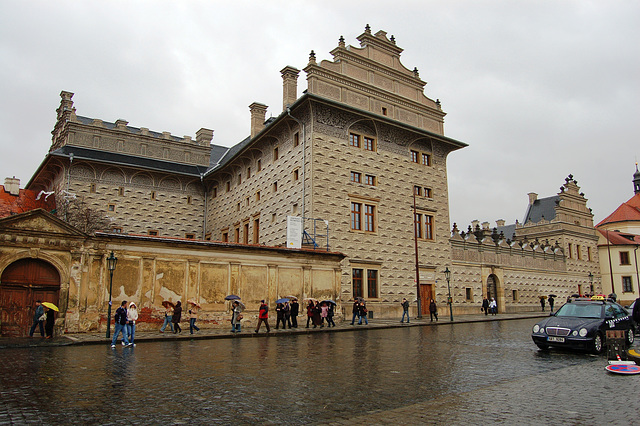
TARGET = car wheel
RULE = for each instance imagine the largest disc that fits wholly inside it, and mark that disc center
(597, 344)
(542, 346)
(630, 337)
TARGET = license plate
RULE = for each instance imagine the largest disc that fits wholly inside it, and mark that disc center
(555, 339)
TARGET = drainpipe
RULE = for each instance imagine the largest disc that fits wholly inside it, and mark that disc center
(304, 156)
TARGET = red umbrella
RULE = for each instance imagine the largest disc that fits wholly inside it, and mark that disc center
(166, 304)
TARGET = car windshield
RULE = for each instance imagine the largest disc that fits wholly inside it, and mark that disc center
(580, 310)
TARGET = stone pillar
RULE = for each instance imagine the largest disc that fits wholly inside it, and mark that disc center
(204, 137)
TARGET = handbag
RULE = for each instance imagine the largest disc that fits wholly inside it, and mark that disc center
(43, 317)
(239, 317)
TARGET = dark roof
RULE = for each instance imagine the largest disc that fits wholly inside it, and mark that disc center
(507, 230)
(128, 160)
(541, 208)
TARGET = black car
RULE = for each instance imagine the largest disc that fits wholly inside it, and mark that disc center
(582, 324)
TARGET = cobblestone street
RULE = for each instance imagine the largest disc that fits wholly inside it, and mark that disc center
(485, 370)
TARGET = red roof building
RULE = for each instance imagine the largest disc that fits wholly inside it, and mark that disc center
(14, 200)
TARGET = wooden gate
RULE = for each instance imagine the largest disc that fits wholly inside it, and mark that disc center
(22, 283)
(426, 294)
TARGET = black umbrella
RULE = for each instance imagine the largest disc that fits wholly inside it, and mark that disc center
(329, 301)
(552, 295)
(232, 297)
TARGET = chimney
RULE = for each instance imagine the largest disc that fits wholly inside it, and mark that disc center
(500, 223)
(289, 86)
(12, 186)
(204, 137)
(258, 113)
(532, 197)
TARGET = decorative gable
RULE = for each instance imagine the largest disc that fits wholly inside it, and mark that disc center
(39, 221)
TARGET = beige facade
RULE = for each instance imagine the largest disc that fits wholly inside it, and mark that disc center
(150, 270)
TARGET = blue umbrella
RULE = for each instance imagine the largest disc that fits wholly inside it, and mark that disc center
(283, 300)
(232, 297)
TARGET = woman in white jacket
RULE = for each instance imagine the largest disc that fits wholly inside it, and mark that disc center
(132, 317)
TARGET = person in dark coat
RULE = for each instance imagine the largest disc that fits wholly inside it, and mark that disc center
(330, 313)
(635, 313)
(177, 314)
(542, 303)
(317, 318)
(485, 306)
(37, 321)
(551, 300)
(295, 309)
(280, 315)
(120, 320)
(263, 316)
(362, 313)
(355, 309)
(287, 315)
(405, 310)
(433, 310)
(48, 326)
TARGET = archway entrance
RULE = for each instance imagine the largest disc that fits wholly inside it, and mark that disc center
(21, 284)
(492, 289)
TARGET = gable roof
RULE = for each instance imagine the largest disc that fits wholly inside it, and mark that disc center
(39, 221)
(627, 212)
(620, 238)
(542, 208)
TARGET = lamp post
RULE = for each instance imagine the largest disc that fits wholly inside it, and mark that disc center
(591, 282)
(111, 266)
(447, 275)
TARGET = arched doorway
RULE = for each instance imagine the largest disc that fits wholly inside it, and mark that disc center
(21, 284)
(492, 287)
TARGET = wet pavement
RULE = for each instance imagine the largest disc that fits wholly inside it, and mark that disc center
(386, 373)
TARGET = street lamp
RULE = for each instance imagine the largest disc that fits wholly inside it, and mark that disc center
(447, 275)
(111, 266)
(591, 282)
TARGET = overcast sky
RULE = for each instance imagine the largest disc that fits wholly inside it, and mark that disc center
(538, 89)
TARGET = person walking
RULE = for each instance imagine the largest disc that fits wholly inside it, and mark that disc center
(120, 320)
(485, 306)
(362, 313)
(132, 317)
(324, 311)
(433, 310)
(493, 306)
(168, 316)
(551, 301)
(355, 309)
(263, 316)
(542, 303)
(295, 309)
(236, 316)
(49, 322)
(317, 318)
(405, 310)
(177, 314)
(309, 312)
(287, 314)
(193, 317)
(279, 315)
(39, 318)
(330, 314)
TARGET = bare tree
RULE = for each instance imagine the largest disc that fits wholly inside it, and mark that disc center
(76, 212)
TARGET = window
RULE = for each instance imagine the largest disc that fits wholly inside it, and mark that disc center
(295, 175)
(256, 231)
(225, 237)
(624, 258)
(296, 139)
(248, 172)
(354, 140)
(248, 200)
(237, 235)
(570, 250)
(420, 158)
(239, 178)
(190, 236)
(424, 226)
(238, 207)
(414, 156)
(356, 216)
(369, 218)
(111, 207)
(384, 111)
(275, 186)
(578, 251)
(468, 294)
(116, 230)
(207, 236)
(258, 196)
(356, 282)
(121, 191)
(417, 190)
(364, 282)
(370, 180)
(276, 155)
(259, 165)
(427, 192)
(92, 188)
(515, 295)
(426, 159)
(152, 232)
(153, 195)
(372, 283)
(368, 144)
(626, 285)
(245, 237)
(589, 254)
(189, 199)
(228, 186)
(356, 177)
(214, 192)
